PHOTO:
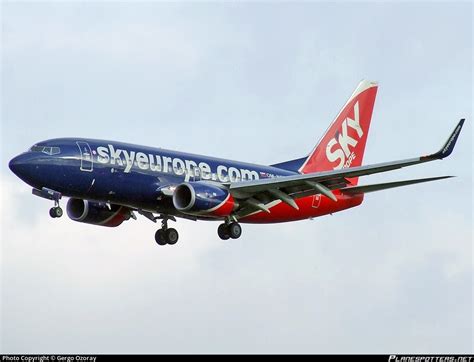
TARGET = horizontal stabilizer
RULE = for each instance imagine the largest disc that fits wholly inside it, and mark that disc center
(293, 165)
(389, 185)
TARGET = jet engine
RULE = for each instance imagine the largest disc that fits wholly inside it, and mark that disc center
(97, 213)
(203, 198)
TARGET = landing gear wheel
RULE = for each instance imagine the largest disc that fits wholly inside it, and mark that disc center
(59, 212)
(235, 230)
(171, 236)
(164, 235)
(160, 237)
(223, 232)
(55, 212)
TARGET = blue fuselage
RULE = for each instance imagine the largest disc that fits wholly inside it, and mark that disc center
(126, 174)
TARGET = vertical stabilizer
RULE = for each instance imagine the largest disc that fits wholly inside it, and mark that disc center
(343, 144)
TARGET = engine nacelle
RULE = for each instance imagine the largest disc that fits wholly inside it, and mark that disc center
(203, 198)
(96, 213)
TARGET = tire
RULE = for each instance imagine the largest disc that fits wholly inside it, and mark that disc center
(160, 237)
(52, 213)
(235, 230)
(58, 211)
(223, 232)
(171, 236)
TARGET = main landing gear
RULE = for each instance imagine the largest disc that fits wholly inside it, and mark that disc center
(165, 236)
(231, 230)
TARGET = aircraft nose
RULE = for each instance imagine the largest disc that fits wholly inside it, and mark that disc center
(14, 164)
(21, 165)
(34, 168)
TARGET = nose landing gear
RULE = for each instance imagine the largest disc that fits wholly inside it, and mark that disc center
(55, 212)
(49, 194)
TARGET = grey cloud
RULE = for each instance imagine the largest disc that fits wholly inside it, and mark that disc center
(257, 82)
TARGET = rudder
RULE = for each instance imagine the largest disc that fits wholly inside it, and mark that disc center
(343, 143)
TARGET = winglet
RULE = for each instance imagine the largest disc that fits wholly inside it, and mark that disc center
(448, 147)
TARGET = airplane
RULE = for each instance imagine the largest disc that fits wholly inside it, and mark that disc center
(109, 182)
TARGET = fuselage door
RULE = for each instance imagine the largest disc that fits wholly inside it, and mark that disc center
(87, 162)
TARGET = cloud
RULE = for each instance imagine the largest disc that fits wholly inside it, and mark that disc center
(392, 275)
(115, 290)
(156, 45)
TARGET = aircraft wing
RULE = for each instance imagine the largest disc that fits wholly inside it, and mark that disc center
(364, 189)
(255, 194)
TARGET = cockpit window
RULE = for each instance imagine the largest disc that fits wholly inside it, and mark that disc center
(36, 149)
(45, 149)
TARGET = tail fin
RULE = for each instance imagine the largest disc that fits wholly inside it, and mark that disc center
(343, 144)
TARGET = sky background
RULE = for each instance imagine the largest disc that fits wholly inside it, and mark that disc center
(257, 82)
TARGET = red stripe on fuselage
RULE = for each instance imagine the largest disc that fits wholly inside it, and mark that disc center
(225, 209)
(117, 219)
(283, 212)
